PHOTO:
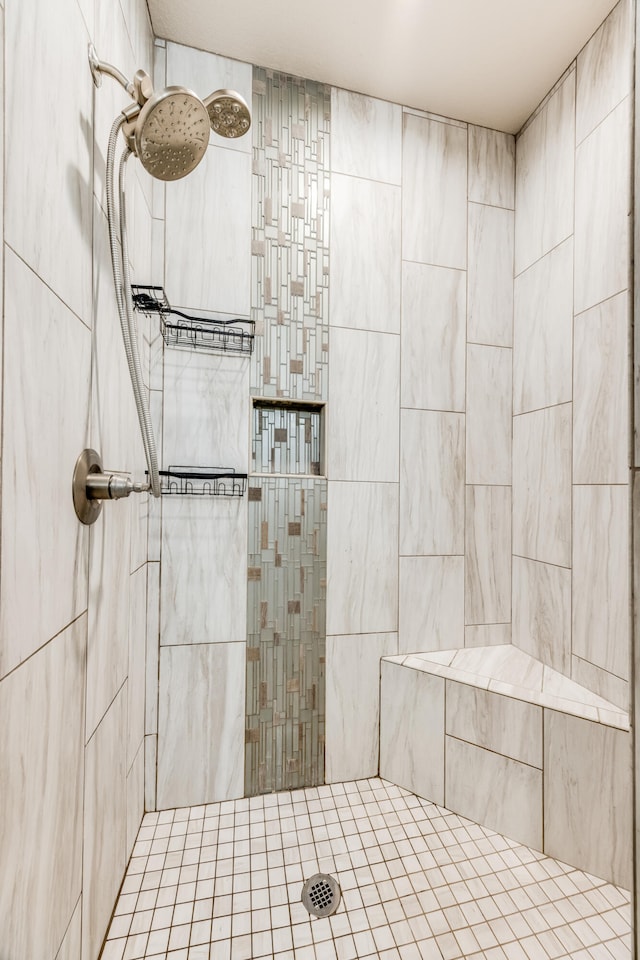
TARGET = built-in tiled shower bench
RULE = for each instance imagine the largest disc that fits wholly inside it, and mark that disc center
(494, 735)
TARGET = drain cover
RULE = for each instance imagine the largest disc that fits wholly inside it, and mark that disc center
(321, 895)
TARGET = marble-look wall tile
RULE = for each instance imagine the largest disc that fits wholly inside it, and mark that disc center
(205, 72)
(208, 235)
(431, 483)
(365, 254)
(601, 625)
(150, 761)
(504, 725)
(434, 193)
(109, 598)
(105, 824)
(600, 392)
(488, 555)
(41, 771)
(202, 702)
(495, 791)
(604, 71)
(353, 704)
(545, 178)
(542, 485)
(489, 420)
(71, 946)
(487, 634)
(135, 798)
(412, 714)
(362, 558)
(492, 158)
(46, 404)
(366, 137)
(48, 192)
(136, 673)
(206, 409)
(204, 556)
(603, 203)
(152, 648)
(587, 796)
(433, 337)
(431, 604)
(543, 332)
(363, 418)
(603, 684)
(490, 275)
(542, 612)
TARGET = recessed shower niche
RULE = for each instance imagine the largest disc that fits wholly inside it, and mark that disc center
(286, 596)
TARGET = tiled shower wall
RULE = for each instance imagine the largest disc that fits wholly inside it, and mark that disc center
(571, 511)
(430, 385)
(72, 598)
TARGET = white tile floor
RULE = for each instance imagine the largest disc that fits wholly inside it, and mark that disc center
(223, 882)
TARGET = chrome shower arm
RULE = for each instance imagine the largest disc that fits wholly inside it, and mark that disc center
(99, 67)
(139, 89)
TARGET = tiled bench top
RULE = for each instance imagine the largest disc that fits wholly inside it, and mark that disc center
(507, 670)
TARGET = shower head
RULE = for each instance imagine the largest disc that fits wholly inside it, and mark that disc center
(228, 113)
(170, 134)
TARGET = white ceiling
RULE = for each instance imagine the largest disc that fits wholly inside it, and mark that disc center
(489, 62)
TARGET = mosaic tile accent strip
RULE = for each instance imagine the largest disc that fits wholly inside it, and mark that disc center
(286, 596)
(223, 882)
(290, 236)
(287, 440)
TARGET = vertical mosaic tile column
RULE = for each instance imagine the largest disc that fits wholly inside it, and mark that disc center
(284, 736)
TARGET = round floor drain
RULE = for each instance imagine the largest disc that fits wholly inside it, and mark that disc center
(321, 895)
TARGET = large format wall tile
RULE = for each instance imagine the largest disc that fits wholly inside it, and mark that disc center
(365, 254)
(136, 674)
(587, 796)
(602, 210)
(601, 625)
(542, 612)
(487, 634)
(434, 192)
(542, 332)
(41, 771)
(492, 158)
(46, 408)
(488, 555)
(495, 791)
(105, 824)
(504, 725)
(208, 235)
(48, 192)
(412, 714)
(353, 704)
(362, 558)
(431, 483)
(542, 485)
(489, 420)
(600, 370)
(205, 72)
(363, 422)
(71, 947)
(490, 276)
(604, 71)
(603, 684)
(366, 137)
(202, 701)
(206, 409)
(109, 599)
(204, 556)
(431, 604)
(433, 337)
(545, 177)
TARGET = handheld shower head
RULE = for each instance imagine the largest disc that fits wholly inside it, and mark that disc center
(228, 113)
(170, 133)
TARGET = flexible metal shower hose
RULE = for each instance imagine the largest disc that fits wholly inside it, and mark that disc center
(121, 279)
